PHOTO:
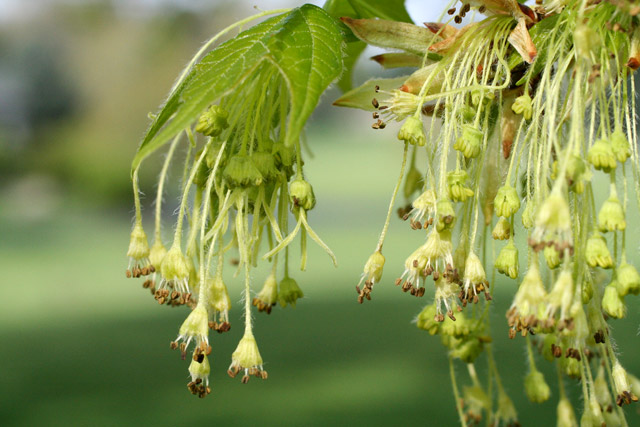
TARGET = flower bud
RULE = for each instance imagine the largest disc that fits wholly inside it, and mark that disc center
(458, 192)
(507, 201)
(426, 319)
(195, 326)
(268, 295)
(468, 349)
(246, 357)
(528, 215)
(597, 253)
(284, 155)
(213, 121)
(289, 292)
(241, 172)
(530, 299)
(571, 367)
(620, 146)
(138, 245)
(199, 372)
(601, 156)
(611, 215)
(506, 414)
(156, 254)
(483, 96)
(621, 385)
(470, 143)
(446, 215)
(412, 132)
(552, 257)
(507, 260)
(587, 292)
(536, 388)
(612, 302)
(628, 279)
(373, 268)
(461, 327)
(523, 105)
(301, 194)
(565, 414)
(219, 302)
(553, 220)
(474, 273)
(174, 265)
(601, 389)
(502, 230)
(265, 163)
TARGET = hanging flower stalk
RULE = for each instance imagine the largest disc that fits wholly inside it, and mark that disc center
(238, 114)
(517, 114)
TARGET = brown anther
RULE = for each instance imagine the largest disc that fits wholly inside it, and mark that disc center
(152, 269)
(421, 292)
(173, 345)
(199, 358)
(245, 379)
(439, 317)
(183, 347)
(161, 300)
(512, 333)
(451, 11)
(482, 9)
(451, 316)
(412, 291)
(398, 281)
(208, 350)
(146, 284)
(436, 275)
(377, 88)
(376, 115)
(175, 295)
(457, 19)
(466, 8)
(475, 299)
(375, 103)
(128, 274)
(264, 375)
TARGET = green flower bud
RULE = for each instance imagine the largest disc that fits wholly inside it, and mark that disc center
(548, 346)
(467, 113)
(530, 299)
(265, 163)
(553, 220)
(611, 215)
(523, 105)
(199, 371)
(507, 260)
(413, 182)
(475, 401)
(289, 292)
(565, 414)
(528, 215)
(552, 257)
(461, 327)
(481, 96)
(601, 389)
(502, 230)
(446, 215)
(458, 192)
(507, 201)
(156, 254)
(213, 121)
(592, 415)
(219, 302)
(536, 388)
(468, 349)
(246, 357)
(571, 367)
(597, 253)
(628, 279)
(470, 143)
(196, 326)
(268, 295)
(601, 156)
(612, 302)
(620, 146)
(561, 295)
(624, 394)
(412, 132)
(506, 414)
(426, 319)
(175, 265)
(373, 268)
(138, 245)
(301, 194)
(283, 155)
(241, 172)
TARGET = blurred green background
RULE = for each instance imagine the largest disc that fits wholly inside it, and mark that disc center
(82, 345)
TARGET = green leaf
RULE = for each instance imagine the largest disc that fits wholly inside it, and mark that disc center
(353, 52)
(305, 45)
(362, 96)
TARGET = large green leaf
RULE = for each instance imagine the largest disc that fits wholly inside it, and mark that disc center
(305, 45)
